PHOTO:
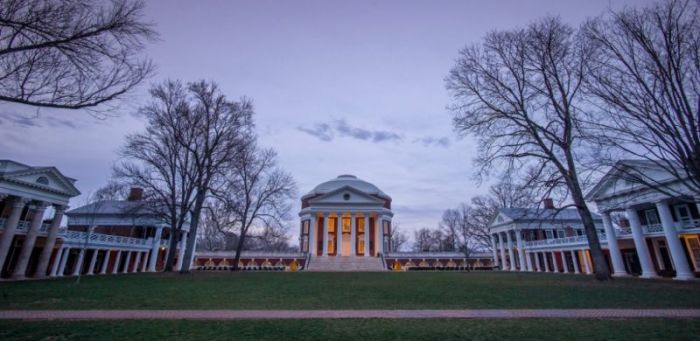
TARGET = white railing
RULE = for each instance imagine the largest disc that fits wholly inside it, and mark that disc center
(251, 254)
(23, 225)
(565, 240)
(103, 239)
(624, 231)
(445, 254)
(653, 228)
(690, 224)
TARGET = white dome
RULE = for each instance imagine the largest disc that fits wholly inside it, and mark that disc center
(350, 181)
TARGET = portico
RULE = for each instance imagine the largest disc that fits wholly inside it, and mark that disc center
(345, 217)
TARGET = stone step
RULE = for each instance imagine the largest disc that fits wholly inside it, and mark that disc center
(340, 264)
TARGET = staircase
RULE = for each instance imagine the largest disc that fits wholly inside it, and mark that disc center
(342, 264)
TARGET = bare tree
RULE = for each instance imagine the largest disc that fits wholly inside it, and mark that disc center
(423, 240)
(255, 192)
(451, 223)
(646, 79)
(158, 161)
(398, 237)
(519, 93)
(71, 54)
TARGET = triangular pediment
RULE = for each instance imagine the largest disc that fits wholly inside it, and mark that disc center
(346, 195)
(624, 178)
(500, 219)
(47, 178)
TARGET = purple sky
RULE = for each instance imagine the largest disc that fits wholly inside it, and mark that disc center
(354, 87)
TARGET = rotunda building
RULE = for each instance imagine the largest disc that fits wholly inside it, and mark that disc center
(345, 217)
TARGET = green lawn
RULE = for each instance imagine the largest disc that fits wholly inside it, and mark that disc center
(648, 329)
(346, 291)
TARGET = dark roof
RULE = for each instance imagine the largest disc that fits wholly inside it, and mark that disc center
(543, 214)
(113, 207)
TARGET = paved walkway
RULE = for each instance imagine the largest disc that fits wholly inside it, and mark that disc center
(342, 314)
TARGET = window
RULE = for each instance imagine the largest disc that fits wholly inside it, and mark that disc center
(42, 180)
(346, 196)
(579, 232)
(560, 233)
(549, 234)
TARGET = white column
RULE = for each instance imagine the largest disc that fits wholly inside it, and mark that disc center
(640, 244)
(521, 250)
(29, 240)
(312, 234)
(117, 259)
(64, 260)
(137, 262)
(367, 234)
(79, 263)
(554, 262)
(537, 261)
(380, 234)
(564, 263)
(181, 250)
(144, 260)
(613, 247)
(528, 260)
(586, 263)
(339, 234)
(546, 262)
(93, 260)
(56, 262)
(353, 235)
(50, 243)
(495, 250)
(326, 224)
(154, 249)
(105, 262)
(510, 251)
(574, 258)
(127, 260)
(680, 262)
(8, 233)
(501, 244)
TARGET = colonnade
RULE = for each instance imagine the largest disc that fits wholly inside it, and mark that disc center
(357, 233)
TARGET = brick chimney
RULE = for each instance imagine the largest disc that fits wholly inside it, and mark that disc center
(548, 203)
(135, 194)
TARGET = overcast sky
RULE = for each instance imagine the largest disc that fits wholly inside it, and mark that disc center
(339, 88)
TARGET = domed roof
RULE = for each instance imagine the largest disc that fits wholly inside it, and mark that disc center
(350, 181)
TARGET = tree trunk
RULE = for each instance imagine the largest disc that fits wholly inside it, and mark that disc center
(192, 236)
(600, 265)
(173, 245)
(239, 249)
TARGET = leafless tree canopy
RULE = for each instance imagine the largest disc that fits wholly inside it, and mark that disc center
(645, 78)
(71, 54)
(255, 195)
(519, 93)
(398, 237)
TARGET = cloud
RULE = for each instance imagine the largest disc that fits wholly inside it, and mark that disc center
(430, 141)
(328, 131)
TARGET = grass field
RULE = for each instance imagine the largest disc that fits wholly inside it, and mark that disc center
(346, 291)
(648, 329)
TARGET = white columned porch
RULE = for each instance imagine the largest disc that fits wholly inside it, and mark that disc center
(56, 262)
(11, 223)
(29, 240)
(79, 263)
(537, 261)
(521, 250)
(138, 260)
(678, 257)
(353, 235)
(380, 234)
(117, 260)
(105, 262)
(546, 261)
(528, 260)
(510, 251)
(574, 258)
(50, 242)
(586, 262)
(154, 250)
(613, 247)
(326, 223)
(640, 244)
(93, 260)
(494, 249)
(367, 234)
(144, 260)
(64, 260)
(339, 234)
(554, 262)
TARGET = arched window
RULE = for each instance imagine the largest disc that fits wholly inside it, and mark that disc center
(43, 180)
